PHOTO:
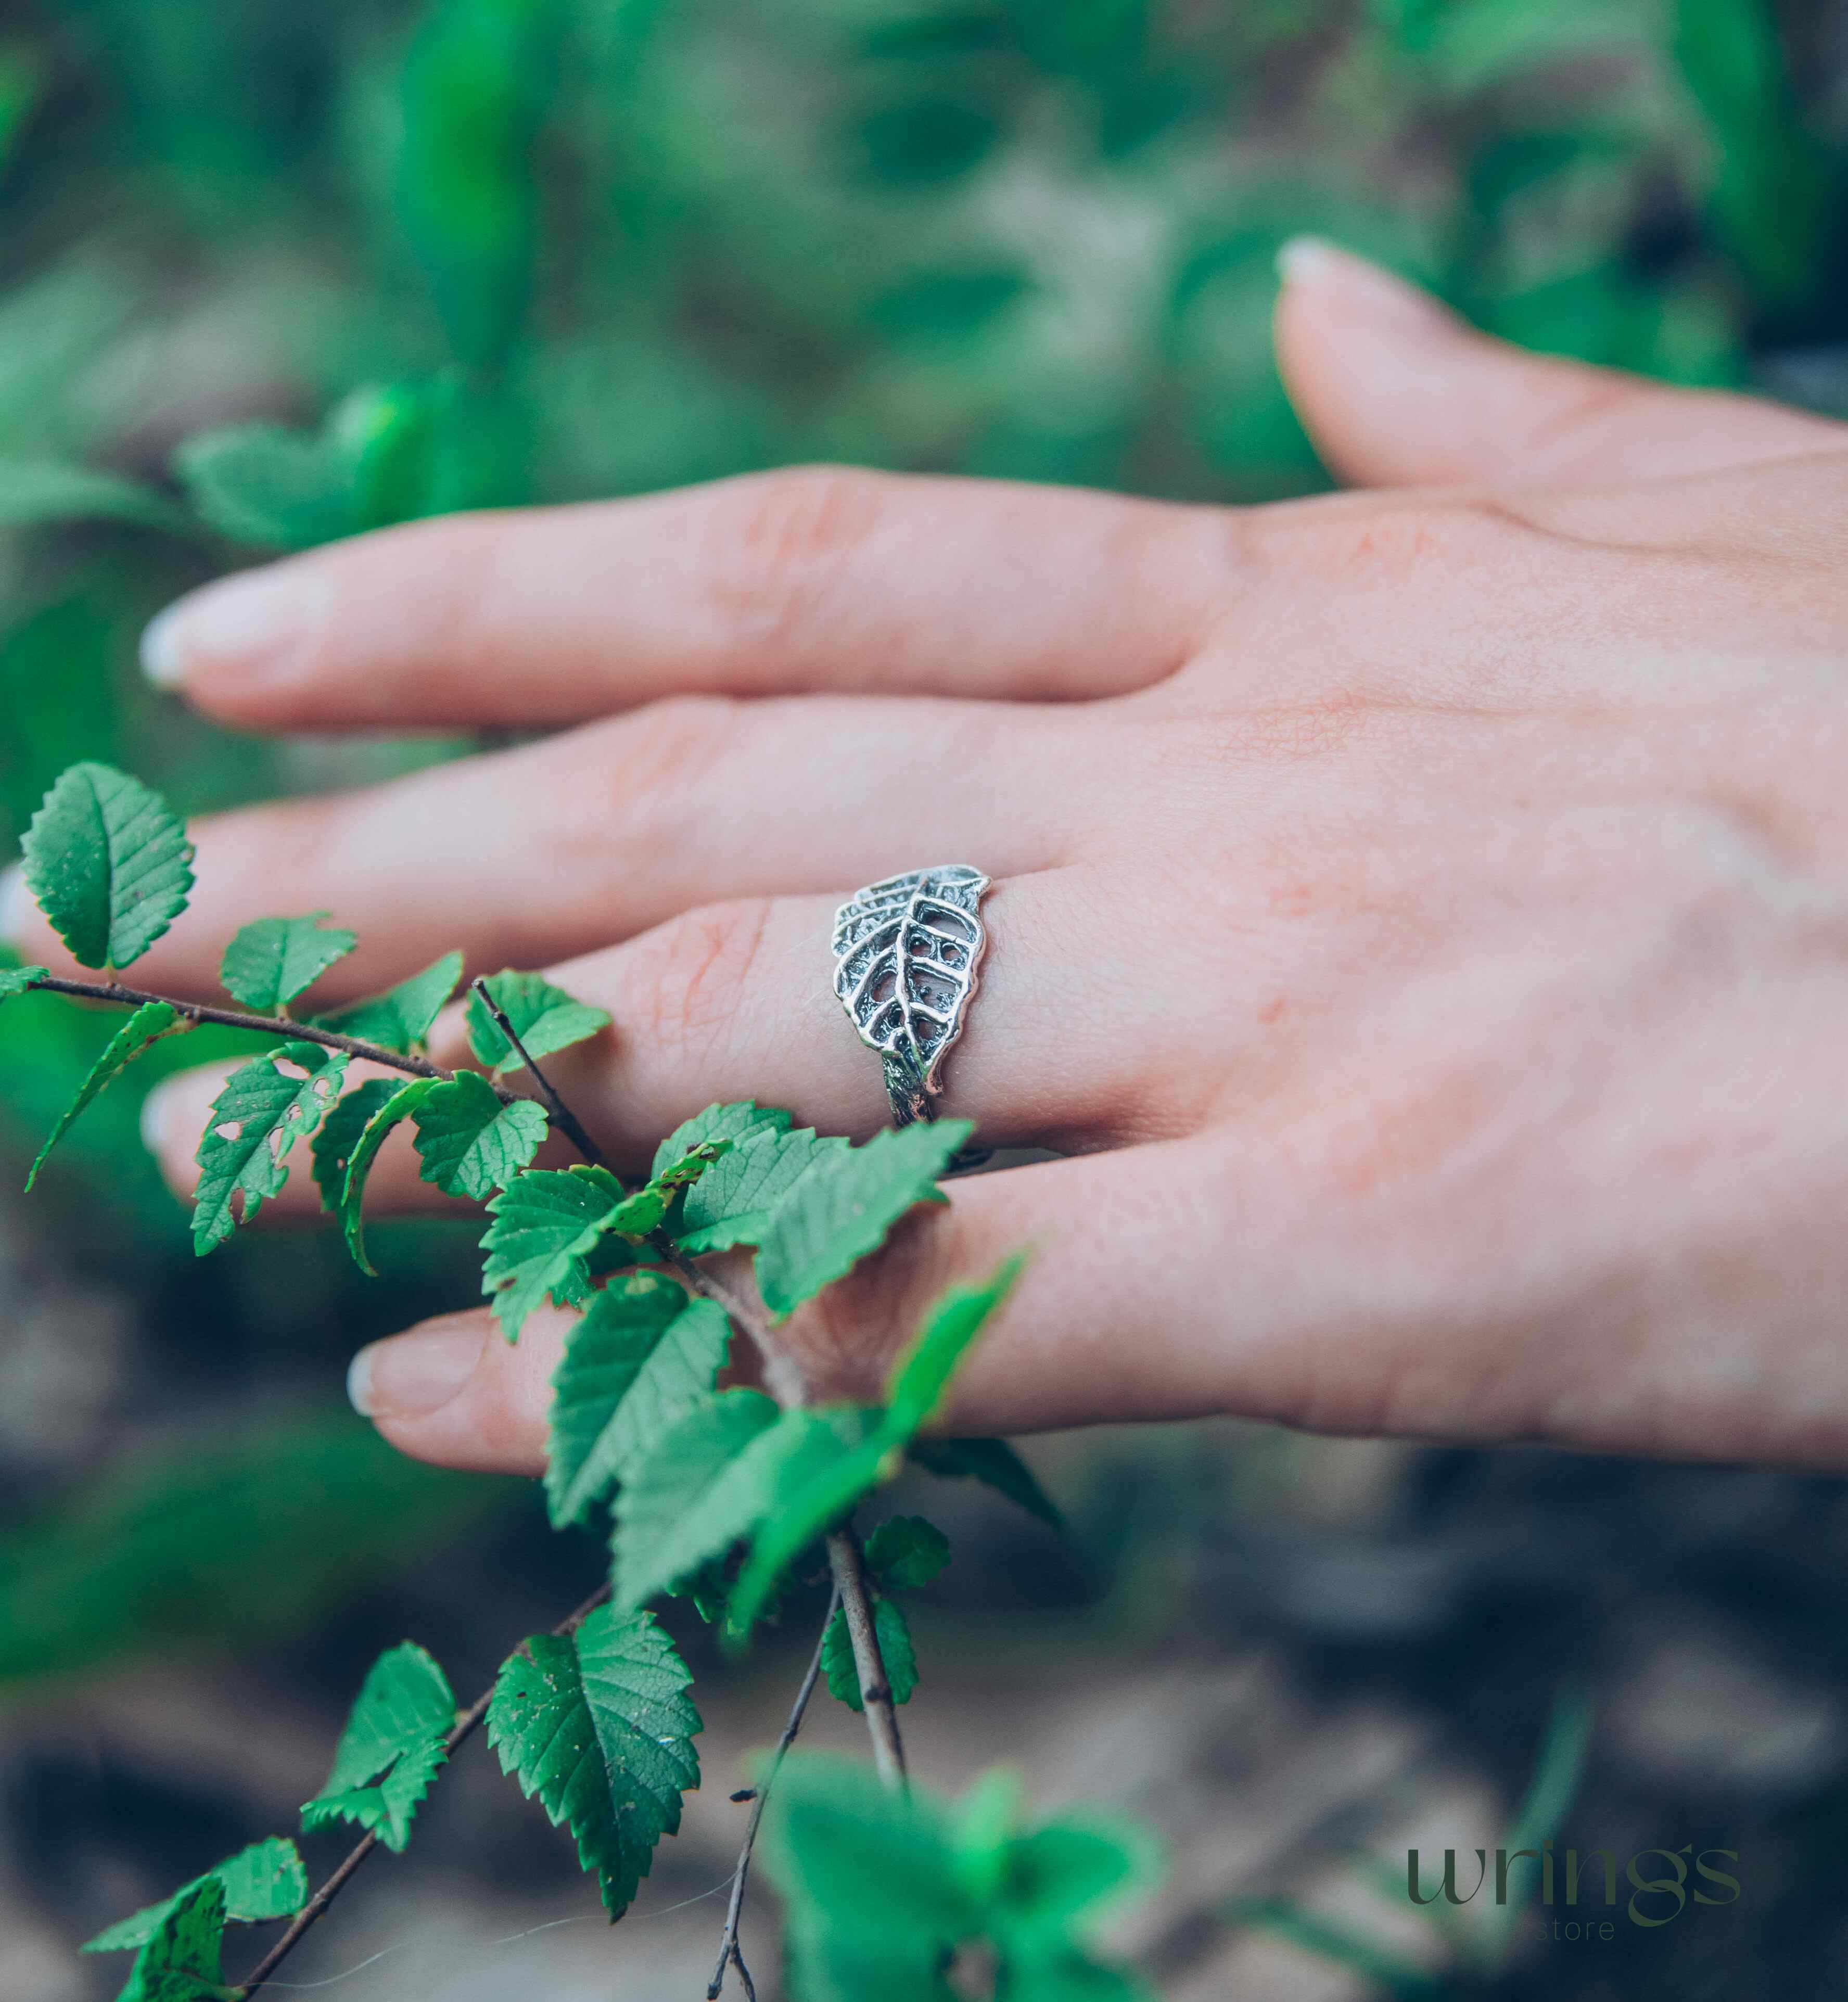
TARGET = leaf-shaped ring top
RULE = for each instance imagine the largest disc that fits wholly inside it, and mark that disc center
(907, 952)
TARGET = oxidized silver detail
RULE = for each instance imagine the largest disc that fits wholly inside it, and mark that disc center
(907, 955)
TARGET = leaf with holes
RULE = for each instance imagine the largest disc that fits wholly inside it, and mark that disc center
(732, 1204)
(390, 1750)
(267, 1881)
(181, 1962)
(544, 1017)
(272, 960)
(842, 1208)
(470, 1143)
(642, 1357)
(141, 1031)
(895, 1650)
(545, 1227)
(598, 1725)
(402, 1103)
(400, 1018)
(339, 1134)
(259, 1115)
(108, 864)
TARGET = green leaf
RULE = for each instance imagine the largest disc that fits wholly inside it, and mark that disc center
(869, 1879)
(476, 83)
(471, 1143)
(391, 1749)
(15, 980)
(402, 1103)
(825, 1460)
(731, 1122)
(843, 1207)
(272, 960)
(817, 1485)
(339, 1134)
(733, 1202)
(545, 1226)
(895, 1650)
(693, 1495)
(1063, 1879)
(994, 1462)
(922, 1373)
(642, 1357)
(267, 485)
(598, 1725)
(544, 1017)
(36, 491)
(377, 457)
(142, 1029)
(109, 865)
(400, 1018)
(905, 1554)
(267, 1881)
(255, 1119)
(181, 1962)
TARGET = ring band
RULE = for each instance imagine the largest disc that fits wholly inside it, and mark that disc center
(907, 956)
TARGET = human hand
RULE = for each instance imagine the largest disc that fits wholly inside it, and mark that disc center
(1421, 915)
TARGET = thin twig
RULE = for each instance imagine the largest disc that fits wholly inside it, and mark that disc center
(848, 1567)
(267, 1025)
(466, 1725)
(729, 1952)
(574, 1126)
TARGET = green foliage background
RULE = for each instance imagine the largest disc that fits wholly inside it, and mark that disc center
(270, 274)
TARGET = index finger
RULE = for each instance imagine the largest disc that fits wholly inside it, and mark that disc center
(816, 578)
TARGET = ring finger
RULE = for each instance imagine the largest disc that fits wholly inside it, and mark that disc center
(734, 1001)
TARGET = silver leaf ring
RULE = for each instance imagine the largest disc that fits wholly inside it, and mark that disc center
(907, 956)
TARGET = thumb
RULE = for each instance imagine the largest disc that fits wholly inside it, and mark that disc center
(1396, 391)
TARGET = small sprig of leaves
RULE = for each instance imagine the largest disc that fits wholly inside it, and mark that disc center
(729, 1497)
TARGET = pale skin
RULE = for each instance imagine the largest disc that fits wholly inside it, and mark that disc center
(1420, 918)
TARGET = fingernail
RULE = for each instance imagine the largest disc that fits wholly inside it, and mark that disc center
(162, 660)
(155, 1109)
(16, 904)
(414, 1374)
(240, 621)
(1366, 288)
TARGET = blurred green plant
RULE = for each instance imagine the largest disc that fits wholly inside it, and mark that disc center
(276, 275)
(731, 1497)
(1471, 1949)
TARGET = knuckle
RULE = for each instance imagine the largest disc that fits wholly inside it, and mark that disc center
(623, 789)
(780, 540)
(688, 978)
(1583, 401)
(1400, 541)
(848, 1338)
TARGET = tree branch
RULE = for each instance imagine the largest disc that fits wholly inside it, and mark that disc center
(266, 1025)
(573, 1127)
(729, 1953)
(465, 1727)
(785, 1379)
(845, 1561)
